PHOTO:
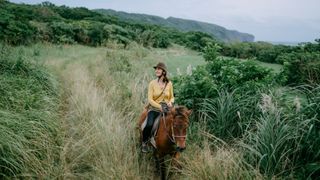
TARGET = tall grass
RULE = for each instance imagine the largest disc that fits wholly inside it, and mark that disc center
(309, 155)
(29, 136)
(278, 132)
(221, 162)
(278, 145)
(228, 115)
(103, 96)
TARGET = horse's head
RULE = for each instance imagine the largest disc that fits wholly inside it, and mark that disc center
(180, 124)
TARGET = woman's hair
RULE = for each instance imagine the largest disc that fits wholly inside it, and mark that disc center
(165, 78)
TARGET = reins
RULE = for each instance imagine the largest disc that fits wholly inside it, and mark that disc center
(172, 138)
(165, 127)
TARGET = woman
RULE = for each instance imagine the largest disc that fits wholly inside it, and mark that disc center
(160, 91)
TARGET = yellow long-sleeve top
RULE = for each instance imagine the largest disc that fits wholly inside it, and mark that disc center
(155, 90)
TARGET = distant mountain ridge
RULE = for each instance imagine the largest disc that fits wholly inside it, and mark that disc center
(216, 31)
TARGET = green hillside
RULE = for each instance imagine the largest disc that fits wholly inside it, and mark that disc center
(219, 32)
(24, 24)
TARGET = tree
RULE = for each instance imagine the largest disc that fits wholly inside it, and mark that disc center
(211, 52)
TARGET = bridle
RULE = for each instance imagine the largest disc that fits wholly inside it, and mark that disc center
(173, 136)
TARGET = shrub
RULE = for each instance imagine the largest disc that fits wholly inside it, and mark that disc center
(232, 73)
(211, 52)
(301, 68)
(228, 74)
(62, 32)
(193, 88)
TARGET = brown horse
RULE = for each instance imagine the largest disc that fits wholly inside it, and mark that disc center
(171, 135)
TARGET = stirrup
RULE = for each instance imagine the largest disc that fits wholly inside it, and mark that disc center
(153, 142)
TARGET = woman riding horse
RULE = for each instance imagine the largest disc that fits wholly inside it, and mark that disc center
(160, 97)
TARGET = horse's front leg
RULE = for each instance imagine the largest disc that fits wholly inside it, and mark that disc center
(157, 161)
(175, 160)
(160, 166)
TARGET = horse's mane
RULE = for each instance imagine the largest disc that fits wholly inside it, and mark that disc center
(180, 111)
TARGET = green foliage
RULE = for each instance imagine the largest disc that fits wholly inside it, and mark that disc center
(210, 52)
(309, 155)
(161, 40)
(280, 134)
(301, 63)
(197, 40)
(268, 55)
(74, 13)
(119, 63)
(227, 74)
(301, 68)
(95, 33)
(192, 89)
(272, 143)
(14, 31)
(46, 14)
(228, 115)
(285, 138)
(25, 24)
(239, 50)
(61, 32)
(232, 73)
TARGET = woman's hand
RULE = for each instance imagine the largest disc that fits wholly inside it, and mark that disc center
(169, 104)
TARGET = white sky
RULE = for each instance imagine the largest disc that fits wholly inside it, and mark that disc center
(268, 20)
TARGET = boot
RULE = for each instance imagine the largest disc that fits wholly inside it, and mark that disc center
(144, 147)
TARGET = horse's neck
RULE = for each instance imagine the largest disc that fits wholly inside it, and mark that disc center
(167, 124)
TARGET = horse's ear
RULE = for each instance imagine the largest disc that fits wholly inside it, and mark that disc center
(189, 112)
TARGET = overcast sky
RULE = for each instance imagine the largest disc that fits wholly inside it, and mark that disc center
(267, 20)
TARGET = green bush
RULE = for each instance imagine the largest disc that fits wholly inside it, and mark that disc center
(246, 75)
(220, 73)
(191, 89)
(161, 40)
(62, 32)
(197, 40)
(301, 68)
(211, 52)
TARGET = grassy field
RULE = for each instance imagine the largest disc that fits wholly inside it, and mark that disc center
(179, 59)
(30, 136)
(102, 92)
(275, 67)
(71, 111)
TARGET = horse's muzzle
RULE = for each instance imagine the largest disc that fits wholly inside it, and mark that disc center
(180, 149)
